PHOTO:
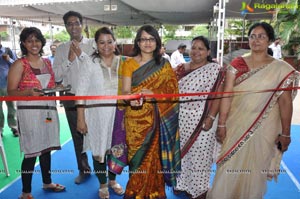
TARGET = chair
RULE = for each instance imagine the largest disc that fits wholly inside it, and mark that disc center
(3, 156)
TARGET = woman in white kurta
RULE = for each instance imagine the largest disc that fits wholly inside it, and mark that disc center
(99, 76)
(197, 145)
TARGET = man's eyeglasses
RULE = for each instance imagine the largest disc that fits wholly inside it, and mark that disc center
(259, 36)
(75, 24)
(144, 40)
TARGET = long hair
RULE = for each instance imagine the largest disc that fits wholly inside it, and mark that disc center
(153, 32)
(106, 31)
(206, 44)
(29, 32)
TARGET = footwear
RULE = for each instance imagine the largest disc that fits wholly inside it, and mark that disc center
(26, 196)
(54, 188)
(117, 188)
(103, 193)
(81, 177)
(15, 132)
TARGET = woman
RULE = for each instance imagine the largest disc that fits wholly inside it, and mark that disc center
(197, 147)
(151, 126)
(251, 125)
(99, 76)
(38, 120)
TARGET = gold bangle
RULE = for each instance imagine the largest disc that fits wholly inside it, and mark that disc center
(221, 126)
(211, 117)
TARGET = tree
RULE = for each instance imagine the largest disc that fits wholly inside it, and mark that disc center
(287, 24)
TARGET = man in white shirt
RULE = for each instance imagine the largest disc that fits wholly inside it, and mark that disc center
(276, 48)
(66, 67)
(177, 56)
(164, 54)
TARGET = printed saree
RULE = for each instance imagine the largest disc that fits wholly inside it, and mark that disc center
(197, 147)
(152, 133)
(253, 124)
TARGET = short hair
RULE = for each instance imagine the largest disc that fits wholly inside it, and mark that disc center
(267, 27)
(31, 31)
(182, 45)
(72, 14)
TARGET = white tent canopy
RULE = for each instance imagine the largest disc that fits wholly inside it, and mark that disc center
(128, 12)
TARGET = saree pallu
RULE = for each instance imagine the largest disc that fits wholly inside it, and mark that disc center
(152, 134)
(118, 158)
(253, 125)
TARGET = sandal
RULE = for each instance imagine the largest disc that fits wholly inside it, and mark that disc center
(54, 188)
(26, 196)
(103, 193)
(117, 189)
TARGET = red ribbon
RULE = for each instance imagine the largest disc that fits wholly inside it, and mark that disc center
(134, 96)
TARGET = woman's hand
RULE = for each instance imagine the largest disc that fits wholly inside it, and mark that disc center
(81, 126)
(35, 92)
(139, 102)
(221, 134)
(179, 71)
(284, 142)
(207, 123)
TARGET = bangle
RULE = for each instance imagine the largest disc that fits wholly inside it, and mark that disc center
(221, 126)
(286, 136)
(211, 117)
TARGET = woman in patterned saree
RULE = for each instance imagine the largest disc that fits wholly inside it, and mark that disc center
(254, 127)
(198, 147)
(151, 125)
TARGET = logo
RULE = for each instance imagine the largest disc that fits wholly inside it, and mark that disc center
(246, 8)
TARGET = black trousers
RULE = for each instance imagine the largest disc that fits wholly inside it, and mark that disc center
(27, 169)
(71, 113)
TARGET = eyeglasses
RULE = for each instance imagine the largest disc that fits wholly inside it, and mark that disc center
(144, 40)
(259, 37)
(75, 24)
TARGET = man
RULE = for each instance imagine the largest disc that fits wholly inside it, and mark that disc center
(66, 68)
(53, 50)
(7, 57)
(177, 56)
(276, 48)
(164, 54)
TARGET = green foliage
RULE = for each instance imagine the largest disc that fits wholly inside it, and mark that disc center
(287, 25)
(124, 32)
(4, 35)
(199, 30)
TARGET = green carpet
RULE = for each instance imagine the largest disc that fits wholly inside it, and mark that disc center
(12, 150)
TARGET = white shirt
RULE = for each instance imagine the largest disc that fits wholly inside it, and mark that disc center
(177, 58)
(276, 50)
(67, 71)
(166, 56)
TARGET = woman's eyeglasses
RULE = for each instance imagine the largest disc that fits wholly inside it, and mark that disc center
(259, 37)
(144, 40)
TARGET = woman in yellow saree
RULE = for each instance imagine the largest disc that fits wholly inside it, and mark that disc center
(151, 126)
(251, 125)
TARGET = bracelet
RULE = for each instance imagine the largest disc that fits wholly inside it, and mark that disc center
(211, 117)
(221, 126)
(286, 136)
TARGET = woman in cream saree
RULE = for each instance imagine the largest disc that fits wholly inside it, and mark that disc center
(254, 120)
